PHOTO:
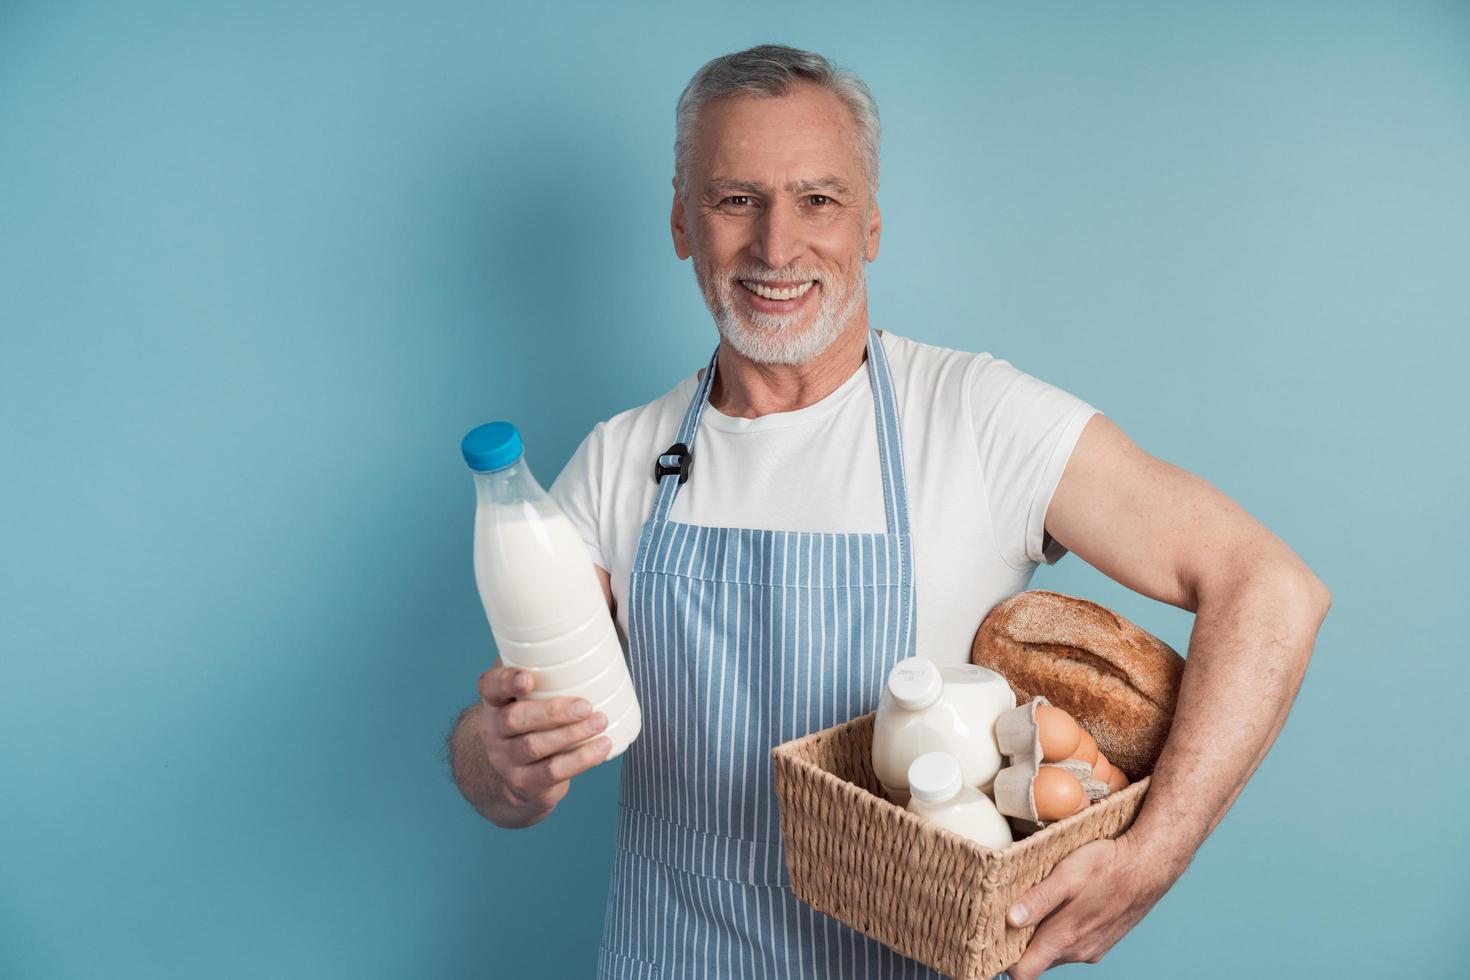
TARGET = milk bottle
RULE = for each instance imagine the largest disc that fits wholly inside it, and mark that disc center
(938, 793)
(540, 591)
(927, 708)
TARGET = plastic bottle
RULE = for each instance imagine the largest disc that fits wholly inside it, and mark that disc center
(540, 590)
(927, 708)
(940, 794)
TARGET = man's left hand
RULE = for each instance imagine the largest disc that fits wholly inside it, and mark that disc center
(1088, 902)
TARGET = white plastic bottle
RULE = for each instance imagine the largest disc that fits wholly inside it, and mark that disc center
(940, 794)
(540, 590)
(927, 708)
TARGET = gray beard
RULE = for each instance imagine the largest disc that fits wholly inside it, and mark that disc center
(773, 338)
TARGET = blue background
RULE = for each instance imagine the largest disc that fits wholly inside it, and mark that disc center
(261, 265)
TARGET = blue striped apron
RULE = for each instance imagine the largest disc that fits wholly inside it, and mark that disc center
(739, 640)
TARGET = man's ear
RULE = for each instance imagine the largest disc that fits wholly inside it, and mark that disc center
(875, 229)
(677, 225)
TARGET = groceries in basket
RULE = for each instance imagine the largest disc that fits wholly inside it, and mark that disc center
(978, 757)
(938, 895)
(1055, 767)
(1117, 680)
(927, 708)
(939, 794)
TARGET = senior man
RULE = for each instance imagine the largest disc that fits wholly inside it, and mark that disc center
(853, 498)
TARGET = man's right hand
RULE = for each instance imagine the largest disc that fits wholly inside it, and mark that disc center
(531, 747)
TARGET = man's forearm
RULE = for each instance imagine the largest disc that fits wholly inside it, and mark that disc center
(477, 781)
(1247, 656)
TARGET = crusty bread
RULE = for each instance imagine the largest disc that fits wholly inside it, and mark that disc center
(1118, 681)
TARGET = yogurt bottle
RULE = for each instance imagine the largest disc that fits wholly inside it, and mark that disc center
(927, 708)
(939, 794)
(540, 591)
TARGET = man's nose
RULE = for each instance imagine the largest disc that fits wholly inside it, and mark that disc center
(778, 239)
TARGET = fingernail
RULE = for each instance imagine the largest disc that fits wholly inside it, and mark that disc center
(599, 722)
(523, 682)
(1019, 915)
(581, 709)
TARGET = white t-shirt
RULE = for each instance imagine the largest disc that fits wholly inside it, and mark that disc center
(984, 447)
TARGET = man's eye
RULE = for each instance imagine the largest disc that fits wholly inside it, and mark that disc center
(820, 200)
(737, 200)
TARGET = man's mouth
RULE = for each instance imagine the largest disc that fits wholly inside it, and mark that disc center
(778, 291)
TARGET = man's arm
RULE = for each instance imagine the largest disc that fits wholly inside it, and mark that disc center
(513, 760)
(1168, 534)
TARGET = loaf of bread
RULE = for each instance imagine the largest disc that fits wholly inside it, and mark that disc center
(1118, 681)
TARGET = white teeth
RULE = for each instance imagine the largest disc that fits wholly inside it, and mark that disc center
(768, 293)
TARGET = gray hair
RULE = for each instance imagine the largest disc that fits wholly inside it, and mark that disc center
(771, 70)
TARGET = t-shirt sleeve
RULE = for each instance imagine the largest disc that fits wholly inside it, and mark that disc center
(1025, 430)
(578, 492)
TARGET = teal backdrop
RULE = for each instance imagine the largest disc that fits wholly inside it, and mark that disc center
(262, 265)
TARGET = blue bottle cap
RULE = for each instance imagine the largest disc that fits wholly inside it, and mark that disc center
(492, 446)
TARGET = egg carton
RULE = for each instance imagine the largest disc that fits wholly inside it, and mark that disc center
(1019, 738)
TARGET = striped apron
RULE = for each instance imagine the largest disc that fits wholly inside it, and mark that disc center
(739, 640)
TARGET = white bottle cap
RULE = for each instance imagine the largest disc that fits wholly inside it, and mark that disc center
(915, 683)
(935, 777)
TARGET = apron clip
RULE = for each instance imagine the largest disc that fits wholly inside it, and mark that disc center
(675, 459)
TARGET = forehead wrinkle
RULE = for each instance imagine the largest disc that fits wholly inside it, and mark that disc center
(828, 183)
(814, 185)
(729, 185)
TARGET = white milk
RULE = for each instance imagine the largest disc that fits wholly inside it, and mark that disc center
(540, 590)
(926, 708)
(940, 795)
(536, 580)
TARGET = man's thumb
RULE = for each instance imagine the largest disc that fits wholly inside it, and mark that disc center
(1042, 898)
(1036, 904)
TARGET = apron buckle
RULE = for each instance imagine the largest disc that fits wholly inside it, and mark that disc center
(675, 459)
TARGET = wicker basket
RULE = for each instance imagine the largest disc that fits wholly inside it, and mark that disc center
(928, 893)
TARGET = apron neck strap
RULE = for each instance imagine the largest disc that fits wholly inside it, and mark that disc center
(885, 413)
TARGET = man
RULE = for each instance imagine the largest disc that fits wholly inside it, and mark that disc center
(849, 499)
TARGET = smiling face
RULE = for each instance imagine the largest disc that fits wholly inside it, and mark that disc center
(779, 219)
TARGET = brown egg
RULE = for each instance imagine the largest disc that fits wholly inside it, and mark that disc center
(1057, 793)
(1086, 749)
(1102, 769)
(1086, 802)
(1118, 780)
(1058, 732)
